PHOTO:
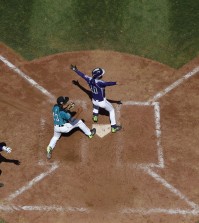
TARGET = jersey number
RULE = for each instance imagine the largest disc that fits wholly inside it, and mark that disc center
(94, 89)
(56, 117)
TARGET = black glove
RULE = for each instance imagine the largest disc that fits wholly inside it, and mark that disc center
(73, 67)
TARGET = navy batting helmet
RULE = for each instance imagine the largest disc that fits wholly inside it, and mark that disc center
(98, 73)
(62, 100)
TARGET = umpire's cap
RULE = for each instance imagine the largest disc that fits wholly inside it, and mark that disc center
(62, 100)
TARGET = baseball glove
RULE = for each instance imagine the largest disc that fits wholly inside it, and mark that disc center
(70, 106)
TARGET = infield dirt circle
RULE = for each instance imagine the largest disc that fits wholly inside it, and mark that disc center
(147, 172)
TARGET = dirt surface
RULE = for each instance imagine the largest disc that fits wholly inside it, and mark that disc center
(145, 173)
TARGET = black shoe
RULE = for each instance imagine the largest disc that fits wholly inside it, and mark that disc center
(93, 131)
(116, 128)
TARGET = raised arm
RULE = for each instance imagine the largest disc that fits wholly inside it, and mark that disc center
(75, 69)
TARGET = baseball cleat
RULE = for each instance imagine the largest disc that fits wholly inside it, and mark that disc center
(93, 131)
(95, 118)
(116, 128)
(49, 152)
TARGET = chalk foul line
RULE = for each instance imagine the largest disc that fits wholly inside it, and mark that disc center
(32, 182)
(174, 85)
(27, 78)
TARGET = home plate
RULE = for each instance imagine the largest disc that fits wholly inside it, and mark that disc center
(102, 130)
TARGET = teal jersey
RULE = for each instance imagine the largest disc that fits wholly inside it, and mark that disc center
(60, 115)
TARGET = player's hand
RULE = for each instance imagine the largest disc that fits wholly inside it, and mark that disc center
(75, 82)
(73, 67)
(6, 149)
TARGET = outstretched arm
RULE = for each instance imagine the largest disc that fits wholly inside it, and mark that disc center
(75, 69)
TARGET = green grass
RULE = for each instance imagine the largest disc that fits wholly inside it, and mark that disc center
(162, 30)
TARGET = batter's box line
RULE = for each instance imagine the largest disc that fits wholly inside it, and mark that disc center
(57, 208)
(160, 154)
(167, 185)
(31, 183)
(178, 211)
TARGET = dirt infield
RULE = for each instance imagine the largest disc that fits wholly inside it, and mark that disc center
(148, 172)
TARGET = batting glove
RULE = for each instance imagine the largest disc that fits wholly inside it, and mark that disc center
(6, 149)
(73, 67)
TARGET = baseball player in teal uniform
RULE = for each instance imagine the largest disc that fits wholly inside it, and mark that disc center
(99, 100)
(64, 123)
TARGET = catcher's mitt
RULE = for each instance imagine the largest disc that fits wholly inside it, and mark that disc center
(70, 106)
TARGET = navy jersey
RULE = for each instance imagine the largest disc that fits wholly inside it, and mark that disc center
(1, 145)
(97, 86)
(60, 116)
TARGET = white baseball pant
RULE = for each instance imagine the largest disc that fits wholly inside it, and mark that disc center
(67, 127)
(107, 106)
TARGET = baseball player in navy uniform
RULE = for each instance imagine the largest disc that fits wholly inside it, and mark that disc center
(64, 122)
(7, 149)
(99, 100)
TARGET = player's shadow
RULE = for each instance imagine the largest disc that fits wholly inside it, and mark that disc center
(73, 130)
(5, 160)
(89, 93)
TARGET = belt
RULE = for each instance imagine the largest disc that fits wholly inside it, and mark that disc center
(98, 100)
(59, 125)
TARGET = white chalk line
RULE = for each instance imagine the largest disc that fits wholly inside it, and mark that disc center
(32, 182)
(27, 78)
(138, 103)
(56, 208)
(158, 134)
(41, 135)
(10, 208)
(145, 211)
(171, 188)
(174, 85)
(84, 151)
(119, 148)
